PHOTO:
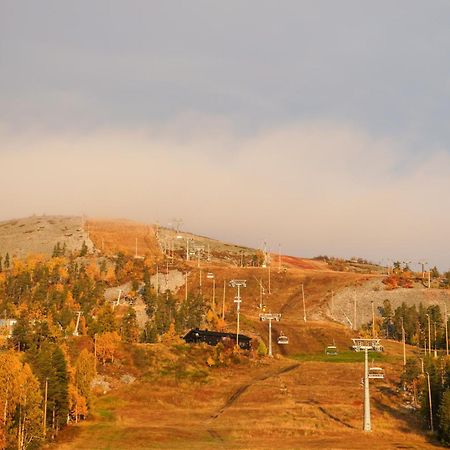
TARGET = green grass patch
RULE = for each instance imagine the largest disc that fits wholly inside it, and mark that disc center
(344, 357)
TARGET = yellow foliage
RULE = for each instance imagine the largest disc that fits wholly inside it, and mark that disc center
(92, 271)
(63, 273)
(110, 276)
(107, 346)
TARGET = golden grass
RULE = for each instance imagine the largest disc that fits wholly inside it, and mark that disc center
(113, 236)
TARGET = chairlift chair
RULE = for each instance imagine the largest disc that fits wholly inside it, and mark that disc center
(282, 339)
(331, 350)
(376, 373)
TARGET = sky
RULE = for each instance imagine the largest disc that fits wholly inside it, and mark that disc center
(320, 126)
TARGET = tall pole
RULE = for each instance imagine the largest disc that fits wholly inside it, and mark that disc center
(270, 338)
(279, 258)
(237, 284)
(187, 249)
(157, 281)
(304, 306)
(167, 274)
(435, 341)
(446, 328)
(260, 295)
(373, 320)
(186, 286)
(95, 352)
(429, 279)
(214, 294)
(367, 422)
(429, 334)
(404, 344)
(430, 403)
(269, 279)
(354, 312)
(223, 299)
(238, 312)
(44, 423)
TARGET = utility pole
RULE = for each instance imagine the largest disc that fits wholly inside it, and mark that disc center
(354, 312)
(429, 334)
(186, 286)
(269, 279)
(435, 339)
(238, 284)
(95, 352)
(304, 306)
(214, 294)
(423, 263)
(367, 421)
(157, 282)
(213, 277)
(446, 328)
(430, 403)
(404, 344)
(44, 422)
(373, 320)
(223, 299)
(167, 275)
(279, 258)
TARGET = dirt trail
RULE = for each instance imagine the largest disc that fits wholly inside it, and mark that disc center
(241, 389)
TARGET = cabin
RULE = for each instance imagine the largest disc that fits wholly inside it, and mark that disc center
(215, 337)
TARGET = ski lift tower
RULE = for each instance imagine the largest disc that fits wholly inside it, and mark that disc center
(269, 317)
(238, 284)
(366, 345)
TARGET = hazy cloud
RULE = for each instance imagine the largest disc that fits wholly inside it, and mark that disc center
(314, 187)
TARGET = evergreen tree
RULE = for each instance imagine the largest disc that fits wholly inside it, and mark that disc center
(444, 419)
(22, 333)
(129, 329)
(84, 249)
(58, 389)
(106, 320)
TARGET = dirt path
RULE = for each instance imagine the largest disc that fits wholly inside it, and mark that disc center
(241, 389)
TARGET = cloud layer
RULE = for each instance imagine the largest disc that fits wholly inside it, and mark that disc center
(313, 187)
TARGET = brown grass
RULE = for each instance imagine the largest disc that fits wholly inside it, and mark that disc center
(113, 236)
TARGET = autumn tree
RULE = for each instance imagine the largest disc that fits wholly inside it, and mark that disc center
(107, 346)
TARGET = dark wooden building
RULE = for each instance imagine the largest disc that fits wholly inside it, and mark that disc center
(214, 337)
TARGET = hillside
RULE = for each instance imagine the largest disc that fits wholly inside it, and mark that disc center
(40, 234)
(161, 393)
